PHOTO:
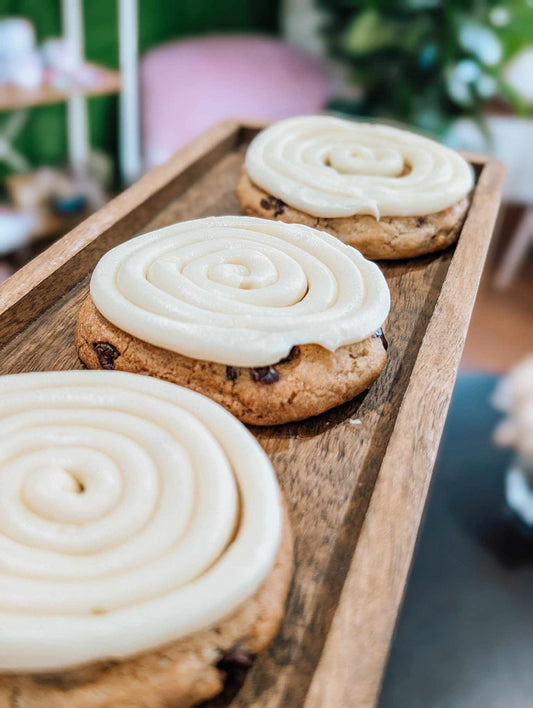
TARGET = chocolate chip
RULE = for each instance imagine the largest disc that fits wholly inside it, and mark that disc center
(273, 203)
(279, 207)
(294, 352)
(265, 374)
(421, 221)
(232, 373)
(236, 659)
(379, 333)
(106, 354)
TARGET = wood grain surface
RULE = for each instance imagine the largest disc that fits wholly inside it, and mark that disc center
(355, 478)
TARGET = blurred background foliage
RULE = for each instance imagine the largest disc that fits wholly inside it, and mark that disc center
(426, 62)
(422, 62)
(44, 137)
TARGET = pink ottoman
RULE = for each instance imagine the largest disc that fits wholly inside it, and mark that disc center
(188, 85)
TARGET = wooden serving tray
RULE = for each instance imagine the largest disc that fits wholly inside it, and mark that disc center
(355, 478)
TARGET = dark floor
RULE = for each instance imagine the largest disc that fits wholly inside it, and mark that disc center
(465, 634)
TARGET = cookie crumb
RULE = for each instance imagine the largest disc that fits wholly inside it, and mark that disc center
(106, 354)
(265, 375)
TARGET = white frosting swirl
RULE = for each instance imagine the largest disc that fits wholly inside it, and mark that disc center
(134, 512)
(331, 167)
(240, 291)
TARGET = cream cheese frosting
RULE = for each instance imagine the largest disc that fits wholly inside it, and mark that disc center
(134, 512)
(240, 291)
(330, 167)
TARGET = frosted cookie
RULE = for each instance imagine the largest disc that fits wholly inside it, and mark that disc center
(143, 543)
(387, 192)
(275, 322)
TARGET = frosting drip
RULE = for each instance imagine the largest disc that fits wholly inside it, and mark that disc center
(329, 167)
(134, 512)
(240, 291)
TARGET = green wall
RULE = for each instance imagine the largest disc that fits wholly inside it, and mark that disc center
(43, 140)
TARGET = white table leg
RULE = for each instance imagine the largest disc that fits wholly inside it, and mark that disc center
(77, 125)
(78, 135)
(129, 122)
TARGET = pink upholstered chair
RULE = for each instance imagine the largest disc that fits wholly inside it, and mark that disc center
(188, 85)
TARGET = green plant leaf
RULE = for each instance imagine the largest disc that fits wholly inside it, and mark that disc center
(368, 33)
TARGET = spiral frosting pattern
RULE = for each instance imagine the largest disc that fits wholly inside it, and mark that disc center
(240, 291)
(329, 167)
(134, 512)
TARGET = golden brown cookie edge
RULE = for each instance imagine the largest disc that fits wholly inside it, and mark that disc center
(390, 238)
(310, 384)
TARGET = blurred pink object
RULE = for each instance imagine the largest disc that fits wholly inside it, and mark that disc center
(189, 85)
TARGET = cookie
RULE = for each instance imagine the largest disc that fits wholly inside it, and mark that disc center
(275, 322)
(387, 192)
(146, 553)
(391, 237)
(307, 382)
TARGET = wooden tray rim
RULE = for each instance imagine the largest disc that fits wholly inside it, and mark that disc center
(356, 648)
(428, 393)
